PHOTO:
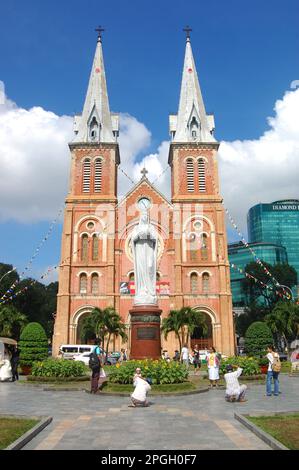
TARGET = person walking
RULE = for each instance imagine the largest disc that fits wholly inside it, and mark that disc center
(95, 363)
(185, 355)
(274, 368)
(234, 391)
(213, 367)
(196, 360)
(14, 361)
(176, 356)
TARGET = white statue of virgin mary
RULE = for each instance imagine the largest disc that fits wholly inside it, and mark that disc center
(144, 247)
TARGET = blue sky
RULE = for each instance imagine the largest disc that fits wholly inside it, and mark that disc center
(246, 55)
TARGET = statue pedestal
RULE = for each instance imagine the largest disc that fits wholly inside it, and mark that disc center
(145, 332)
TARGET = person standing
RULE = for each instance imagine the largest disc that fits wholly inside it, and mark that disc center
(196, 359)
(14, 361)
(274, 368)
(176, 356)
(213, 367)
(95, 363)
(185, 355)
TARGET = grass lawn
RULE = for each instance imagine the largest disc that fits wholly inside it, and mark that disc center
(284, 428)
(13, 428)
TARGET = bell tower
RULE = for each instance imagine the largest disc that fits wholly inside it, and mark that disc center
(86, 275)
(201, 259)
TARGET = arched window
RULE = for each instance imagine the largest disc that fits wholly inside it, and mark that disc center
(131, 277)
(84, 248)
(94, 284)
(83, 283)
(157, 276)
(86, 175)
(201, 176)
(205, 283)
(190, 175)
(95, 247)
(194, 283)
(98, 175)
(94, 129)
(204, 247)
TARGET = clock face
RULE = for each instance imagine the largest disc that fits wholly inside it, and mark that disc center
(144, 203)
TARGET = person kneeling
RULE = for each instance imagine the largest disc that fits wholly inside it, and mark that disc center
(138, 397)
(234, 391)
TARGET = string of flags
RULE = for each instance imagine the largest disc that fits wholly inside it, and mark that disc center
(35, 253)
(265, 286)
(246, 244)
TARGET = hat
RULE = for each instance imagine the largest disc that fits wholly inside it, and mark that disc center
(229, 368)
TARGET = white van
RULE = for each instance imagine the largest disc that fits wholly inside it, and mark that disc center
(70, 351)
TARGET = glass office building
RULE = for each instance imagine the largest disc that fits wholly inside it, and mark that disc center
(278, 223)
(239, 256)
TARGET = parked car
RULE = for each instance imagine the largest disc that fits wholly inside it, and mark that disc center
(203, 354)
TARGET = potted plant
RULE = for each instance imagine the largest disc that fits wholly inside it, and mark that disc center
(33, 346)
(263, 363)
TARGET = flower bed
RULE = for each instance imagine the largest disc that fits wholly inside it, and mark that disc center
(249, 365)
(61, 368)
(161, 372)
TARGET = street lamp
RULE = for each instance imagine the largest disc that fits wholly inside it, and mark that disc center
(8, 272)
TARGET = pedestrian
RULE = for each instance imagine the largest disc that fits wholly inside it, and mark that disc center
(96, 363)
(295, 360)
(138, 397)
(234, 391)
(14, 361)
(196, 360)
(274, 368)
(213, 367)
(176, 356)
(165, 355)
(137, 374)
(185, 355)
(5, 367)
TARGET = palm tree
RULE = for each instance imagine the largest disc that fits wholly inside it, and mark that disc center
(177, 320)
(284, 320)
(11, 321)
(104, 323)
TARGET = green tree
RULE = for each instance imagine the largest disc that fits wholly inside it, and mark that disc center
(103, 324)
(33, 344)
(7, 280)
(257, 337)
(253, 290)
(179, 320)
(11, 321)
(253, 312)
(284, 321)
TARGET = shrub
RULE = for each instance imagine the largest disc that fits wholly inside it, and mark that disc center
(257, 337)
(58, 368)
(161, 372)
(249, 365)
(33, 344)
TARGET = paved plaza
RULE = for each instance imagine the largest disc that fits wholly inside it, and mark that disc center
(201, 421)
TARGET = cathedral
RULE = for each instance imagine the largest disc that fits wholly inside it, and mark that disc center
(96, 268)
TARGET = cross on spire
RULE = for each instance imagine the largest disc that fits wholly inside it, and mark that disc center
(187, 30)
(144, 172)
(99, 30)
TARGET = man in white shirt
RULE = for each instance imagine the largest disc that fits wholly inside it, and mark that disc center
(234, 391)
(138, 397)
(185, 355)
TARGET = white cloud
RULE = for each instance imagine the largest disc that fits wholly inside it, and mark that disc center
(34, 160)
(266, 169)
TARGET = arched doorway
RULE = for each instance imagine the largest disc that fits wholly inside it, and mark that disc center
(80, 338)
(204, 340)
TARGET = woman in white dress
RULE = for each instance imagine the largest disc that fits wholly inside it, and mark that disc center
(213, 367)
(5, 367)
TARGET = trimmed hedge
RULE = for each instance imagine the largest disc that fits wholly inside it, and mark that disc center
(161, 372)
(59, 368)
(33, 344)
(257, 337)
(249, 365)
(36, 379)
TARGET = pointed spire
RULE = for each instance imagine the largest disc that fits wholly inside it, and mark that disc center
(96, 124)
(192, 124)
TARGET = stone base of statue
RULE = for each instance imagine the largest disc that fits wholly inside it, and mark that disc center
(145, 332)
